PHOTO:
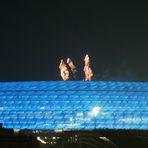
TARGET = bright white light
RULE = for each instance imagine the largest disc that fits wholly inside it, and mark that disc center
(16, 130)
(42, 141)
(96, 110)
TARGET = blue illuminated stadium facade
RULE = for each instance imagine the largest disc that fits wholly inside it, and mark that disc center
(74, 105)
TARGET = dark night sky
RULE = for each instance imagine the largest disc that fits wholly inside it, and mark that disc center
(35, 36)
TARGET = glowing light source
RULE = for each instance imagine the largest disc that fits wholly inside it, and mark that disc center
(42, 141)
(96, 110)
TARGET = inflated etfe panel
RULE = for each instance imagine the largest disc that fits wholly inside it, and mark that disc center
(74, 105)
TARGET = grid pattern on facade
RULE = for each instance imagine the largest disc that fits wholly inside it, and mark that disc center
(74, 105)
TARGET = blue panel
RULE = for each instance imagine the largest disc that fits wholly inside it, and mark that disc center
(69, 105)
